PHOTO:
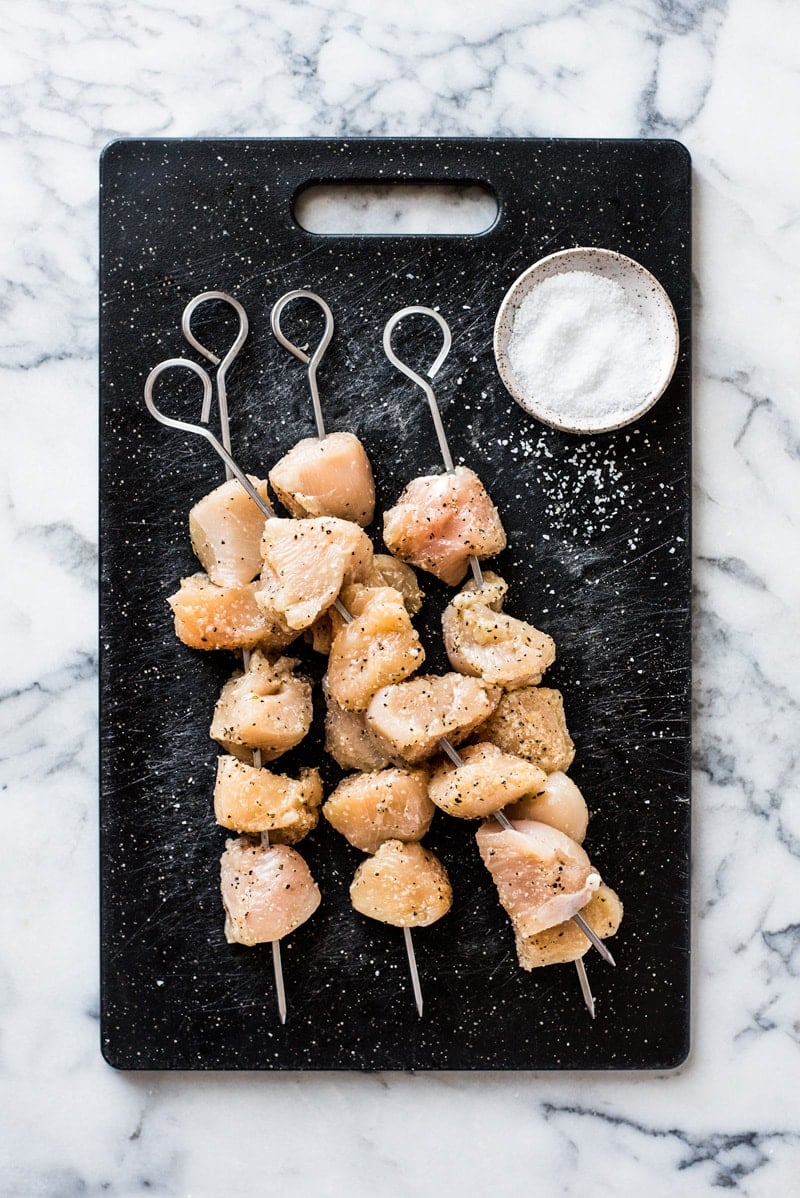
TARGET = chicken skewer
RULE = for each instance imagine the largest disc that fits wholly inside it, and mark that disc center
(444, 743)
(441, 522)
(438, 424)
(267, 889)
(231, 471)
(286, 484)
(225, 435)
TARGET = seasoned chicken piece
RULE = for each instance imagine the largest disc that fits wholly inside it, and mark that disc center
(488, 780)
(482, 640)
(442, 519)
(351, 744)
(565, 941)
(381, 805)
(402, 884)
(530, 722)
(208, 616)
(413, 716)
(378, 647)
(267, 708)
(306, 564)
(225, 527)
(557, 802)
(542, 877)
(266, 892)
(252, 799)
(389, 571)
(328, 476)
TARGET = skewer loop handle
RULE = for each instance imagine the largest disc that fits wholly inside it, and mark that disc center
(314, 359)
(421, 382)
(199, 429)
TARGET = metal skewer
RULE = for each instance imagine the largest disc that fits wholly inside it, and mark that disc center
(313, 361)
(447, 458)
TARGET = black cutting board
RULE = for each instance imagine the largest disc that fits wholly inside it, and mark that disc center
(598, 556)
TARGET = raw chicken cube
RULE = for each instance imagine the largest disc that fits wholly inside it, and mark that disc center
(542, 876)
(403, 885)
(225, 527)
(267, 892)
(442, 519)
(267, 708)
(378, 647)
(488, 780)
(208, 616)
(389, 571)
(413, 716)
(557, 802)
(349, 741)
(381, 805)
(566, 942)
(328, 476)
(252, 799)
(306, 564)
(482, 640)
(530, 722)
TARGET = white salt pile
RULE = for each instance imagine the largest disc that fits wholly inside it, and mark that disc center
(582, 349)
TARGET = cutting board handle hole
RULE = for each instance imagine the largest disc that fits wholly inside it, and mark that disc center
(367, 208)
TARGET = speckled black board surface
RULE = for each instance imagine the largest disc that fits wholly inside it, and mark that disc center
(598, 556)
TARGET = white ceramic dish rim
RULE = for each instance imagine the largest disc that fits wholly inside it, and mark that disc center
(516, 294)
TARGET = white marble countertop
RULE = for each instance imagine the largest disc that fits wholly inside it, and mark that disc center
(723, 76)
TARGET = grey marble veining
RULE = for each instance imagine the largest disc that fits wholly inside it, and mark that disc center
(725, 79)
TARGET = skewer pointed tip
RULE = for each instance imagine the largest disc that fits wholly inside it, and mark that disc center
(592, 936)
(412, 968)
(586, 991)
(609, 958)
(280, 990)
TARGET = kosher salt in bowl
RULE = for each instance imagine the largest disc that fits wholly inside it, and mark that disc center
(586, 340)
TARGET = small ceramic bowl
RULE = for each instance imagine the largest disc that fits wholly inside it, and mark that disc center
(649, 299)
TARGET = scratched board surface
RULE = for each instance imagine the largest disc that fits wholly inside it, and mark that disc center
(598, 556)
